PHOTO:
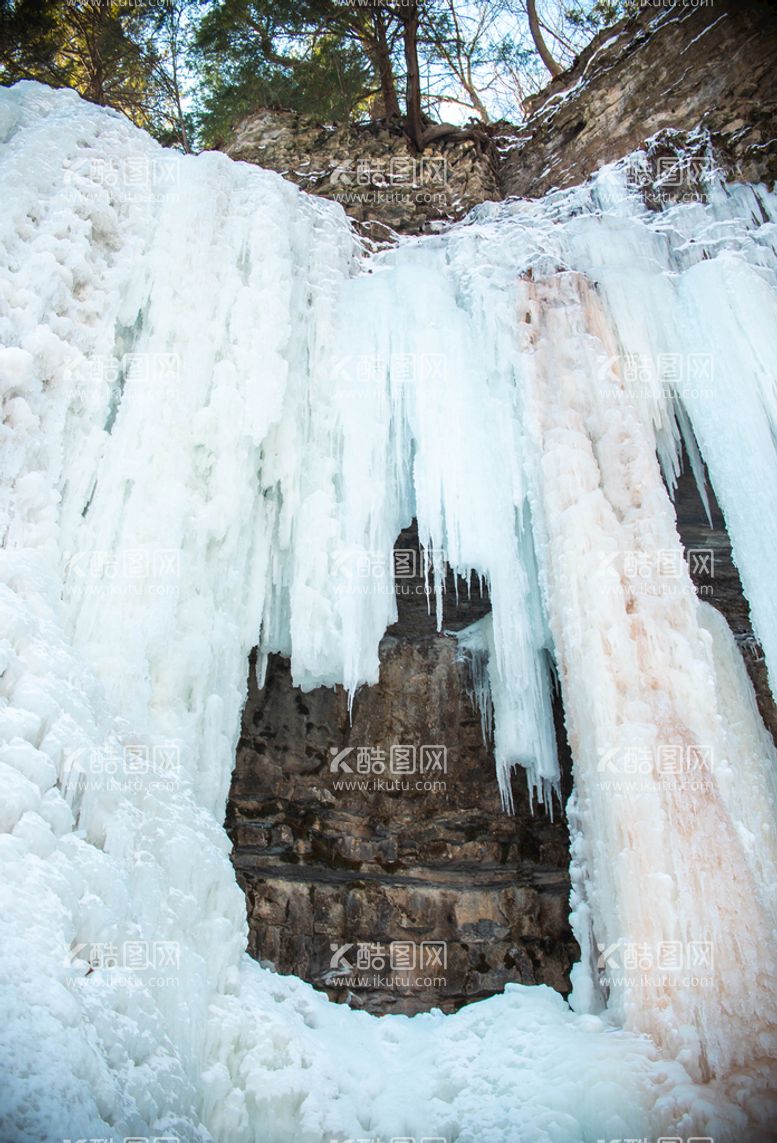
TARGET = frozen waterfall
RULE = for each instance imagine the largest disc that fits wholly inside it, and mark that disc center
(215, 408)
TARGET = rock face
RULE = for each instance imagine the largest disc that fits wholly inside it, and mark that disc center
(351, 871)
(405, 891)
(371, 170)
(681, 67)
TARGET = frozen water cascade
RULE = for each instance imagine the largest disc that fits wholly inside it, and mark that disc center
(299, 406)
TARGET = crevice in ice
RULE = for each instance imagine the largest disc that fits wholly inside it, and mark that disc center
(473, 643)
(692, 456)
(716, 579)
(475, 648)
(116, 367)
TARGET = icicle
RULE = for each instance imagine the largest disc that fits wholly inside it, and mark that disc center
(474, 643)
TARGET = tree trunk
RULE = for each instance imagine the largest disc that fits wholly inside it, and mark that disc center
(95, 41)
(382, 63)
(477, 102)
(539, 42)
(414, 120)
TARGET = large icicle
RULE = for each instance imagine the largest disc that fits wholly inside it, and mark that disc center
(638, 678)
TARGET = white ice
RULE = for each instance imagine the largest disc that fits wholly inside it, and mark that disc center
(216, 415)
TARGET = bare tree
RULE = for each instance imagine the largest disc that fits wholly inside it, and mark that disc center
(539, 40)
(169, 45)
(379, 46)
(460, 39)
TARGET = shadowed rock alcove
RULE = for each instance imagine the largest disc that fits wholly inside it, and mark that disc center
(330, 859)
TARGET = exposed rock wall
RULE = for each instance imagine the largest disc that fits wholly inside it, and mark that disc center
(685, 67)
(371, 170)
(428, 858)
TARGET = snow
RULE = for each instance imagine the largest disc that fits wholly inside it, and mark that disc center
(216, 415)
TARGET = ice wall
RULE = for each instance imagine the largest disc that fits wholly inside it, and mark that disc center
(215, 412)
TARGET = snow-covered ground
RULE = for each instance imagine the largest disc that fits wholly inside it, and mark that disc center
(216, 414)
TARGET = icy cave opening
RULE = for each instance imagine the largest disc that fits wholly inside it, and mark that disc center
(213, 404)
(371, 836)
(347, 861)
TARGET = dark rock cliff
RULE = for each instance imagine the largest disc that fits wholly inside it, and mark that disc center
(706, 67)
(355, 856)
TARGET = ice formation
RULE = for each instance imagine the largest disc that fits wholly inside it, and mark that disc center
(215, 408)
